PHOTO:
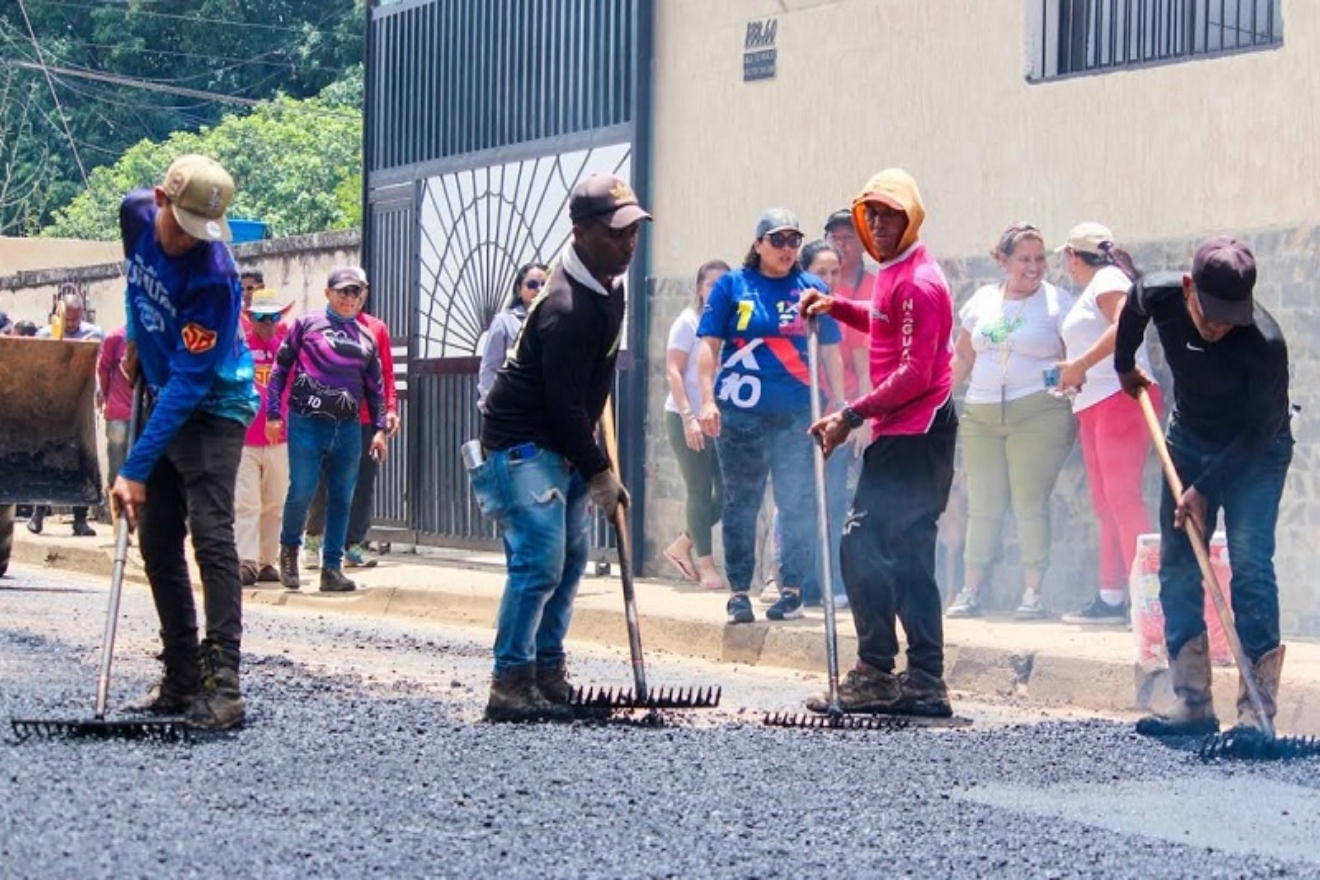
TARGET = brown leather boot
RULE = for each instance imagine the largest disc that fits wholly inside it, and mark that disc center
(515, 698)
(1268, 670)
(1194, 714)
(553, 683)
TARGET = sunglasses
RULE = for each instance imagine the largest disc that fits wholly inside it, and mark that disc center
(533, 284)
(352, 291)
(784, 239)
(264, 318)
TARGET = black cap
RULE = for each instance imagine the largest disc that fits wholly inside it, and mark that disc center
(1224, 272)
(606, 198)
(346, 276)
(841, 217)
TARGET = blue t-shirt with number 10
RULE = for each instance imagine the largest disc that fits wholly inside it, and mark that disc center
(763, 361)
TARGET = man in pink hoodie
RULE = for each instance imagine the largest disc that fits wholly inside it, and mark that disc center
(888, 547)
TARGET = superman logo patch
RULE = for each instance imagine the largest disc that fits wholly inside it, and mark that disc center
(197, 339)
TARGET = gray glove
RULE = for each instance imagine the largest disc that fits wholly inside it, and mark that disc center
(607, 493)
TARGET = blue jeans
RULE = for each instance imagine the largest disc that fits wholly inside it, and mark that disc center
(316, 447)
(1249, 496)
(539, 502)
(753, 445)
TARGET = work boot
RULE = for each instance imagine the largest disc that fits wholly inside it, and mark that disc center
(81, 529)
(37, 520)
(553, 683)
(219, 705)
(515, 698)
(1268, 670)
(864, 689)
(177, 688)
(923, 694)
(289, 568)
(1194, 714)
(333, 580)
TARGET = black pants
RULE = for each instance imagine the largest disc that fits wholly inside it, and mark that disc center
(192, 490)
(888, 546)
(364, 495)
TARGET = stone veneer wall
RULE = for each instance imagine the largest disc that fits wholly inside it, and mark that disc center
(1288, 267)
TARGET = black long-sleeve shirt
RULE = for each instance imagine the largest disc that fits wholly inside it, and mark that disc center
(552, 390)
(1232, 394)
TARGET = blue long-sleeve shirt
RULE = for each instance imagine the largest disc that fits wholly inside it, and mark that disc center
(183, 314)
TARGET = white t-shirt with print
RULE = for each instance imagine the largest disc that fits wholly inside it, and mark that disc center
(683, 337)
(1083, 327)
(1015, 340)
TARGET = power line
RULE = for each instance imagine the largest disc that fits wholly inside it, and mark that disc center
(50, 82)
(197, 19)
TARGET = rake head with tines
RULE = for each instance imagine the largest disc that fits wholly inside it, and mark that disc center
(1249, 744)
(151, 731)
(835, 721)
(659, 698)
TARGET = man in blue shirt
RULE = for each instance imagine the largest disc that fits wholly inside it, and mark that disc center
(184, 302)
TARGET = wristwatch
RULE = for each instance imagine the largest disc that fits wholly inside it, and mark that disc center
(854, 420)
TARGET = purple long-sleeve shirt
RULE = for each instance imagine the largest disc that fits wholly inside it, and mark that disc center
(331, 365)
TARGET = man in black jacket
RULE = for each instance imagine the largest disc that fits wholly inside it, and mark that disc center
(541, 462)
(1231, 443)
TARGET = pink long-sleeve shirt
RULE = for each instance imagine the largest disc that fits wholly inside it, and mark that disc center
(910, 321)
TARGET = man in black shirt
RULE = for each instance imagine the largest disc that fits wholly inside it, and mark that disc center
(541, 462)
(1230, 441)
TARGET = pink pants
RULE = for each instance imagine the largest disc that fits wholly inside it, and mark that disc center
(1115, 445)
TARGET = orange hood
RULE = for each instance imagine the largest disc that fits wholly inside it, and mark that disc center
(896, 188)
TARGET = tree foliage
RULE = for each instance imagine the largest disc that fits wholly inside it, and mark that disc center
(255, 49)
(296, 165)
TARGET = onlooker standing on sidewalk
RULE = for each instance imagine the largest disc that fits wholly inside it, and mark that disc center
(331, 365)
(183, 306)
(115, 393)
(74, 327)
(538, 439)
(1016, 434)
(496, 343)
(1115, 442)
(889, 544)
(696, 457)
(759, 408)
(263, 474)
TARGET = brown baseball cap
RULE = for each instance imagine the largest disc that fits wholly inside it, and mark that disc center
(199, 190)
(1224, 272)
(606, 198)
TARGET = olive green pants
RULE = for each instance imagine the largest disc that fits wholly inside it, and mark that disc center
(1012, 455)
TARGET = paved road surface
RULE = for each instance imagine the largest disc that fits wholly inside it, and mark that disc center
(365, 757)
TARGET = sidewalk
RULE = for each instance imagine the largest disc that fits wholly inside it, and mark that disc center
(1046, 664)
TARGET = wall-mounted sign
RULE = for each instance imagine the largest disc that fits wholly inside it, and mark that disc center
(759, 51)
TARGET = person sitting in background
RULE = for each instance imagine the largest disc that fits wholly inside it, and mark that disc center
(330, 363)
(263, 472)
(24, 328)
(1016, 434)
(697, 463)
(114, 393)
(497, 342)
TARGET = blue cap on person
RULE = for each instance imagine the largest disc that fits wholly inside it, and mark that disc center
(1224, 272)
(776, 220)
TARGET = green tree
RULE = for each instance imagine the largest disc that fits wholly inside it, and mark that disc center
(296, 164)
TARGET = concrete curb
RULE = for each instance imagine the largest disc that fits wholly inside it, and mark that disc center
(1033, 678)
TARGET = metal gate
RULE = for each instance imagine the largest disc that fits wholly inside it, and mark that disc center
(480, 118)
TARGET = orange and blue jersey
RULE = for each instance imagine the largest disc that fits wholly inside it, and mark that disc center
(764, 353)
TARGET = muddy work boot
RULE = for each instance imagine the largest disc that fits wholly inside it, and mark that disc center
(1194, 714)
(1268, 670)
(289, 568)
(922, 694)
(219, 705)
(333, 580)
(515, 698)
(863, 690)
(553, 683)
(177, 688)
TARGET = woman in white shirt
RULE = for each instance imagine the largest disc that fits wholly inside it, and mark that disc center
(1015, 433)
(495, 343)
(1115, 442)
(695, 452)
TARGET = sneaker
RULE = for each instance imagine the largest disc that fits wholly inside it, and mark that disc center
(841, 602)
(965, 604)
(355, 557)
(333, 581)
(311, 552)
(269, 574)
(739, 609)
(220, 704)
(1032, 608)
(1098, 612)
(247, 573)
(789, 606)
(922, 694)
(769, 593)
(862, 690)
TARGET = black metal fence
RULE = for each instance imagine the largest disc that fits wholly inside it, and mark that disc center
(1083, 36)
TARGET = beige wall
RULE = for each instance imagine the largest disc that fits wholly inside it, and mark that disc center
(939, 87)
(32, 254)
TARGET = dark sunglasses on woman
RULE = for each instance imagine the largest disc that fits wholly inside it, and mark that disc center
(533, 284)
(785, 239)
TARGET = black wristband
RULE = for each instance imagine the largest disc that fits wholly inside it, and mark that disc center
(853, 420)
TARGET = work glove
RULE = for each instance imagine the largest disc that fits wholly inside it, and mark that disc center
(607, 493)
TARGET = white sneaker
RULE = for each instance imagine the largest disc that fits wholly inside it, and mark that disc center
(311, 553)
(769, 593)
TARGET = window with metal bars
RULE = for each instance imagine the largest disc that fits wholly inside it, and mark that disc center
(1069, 37)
